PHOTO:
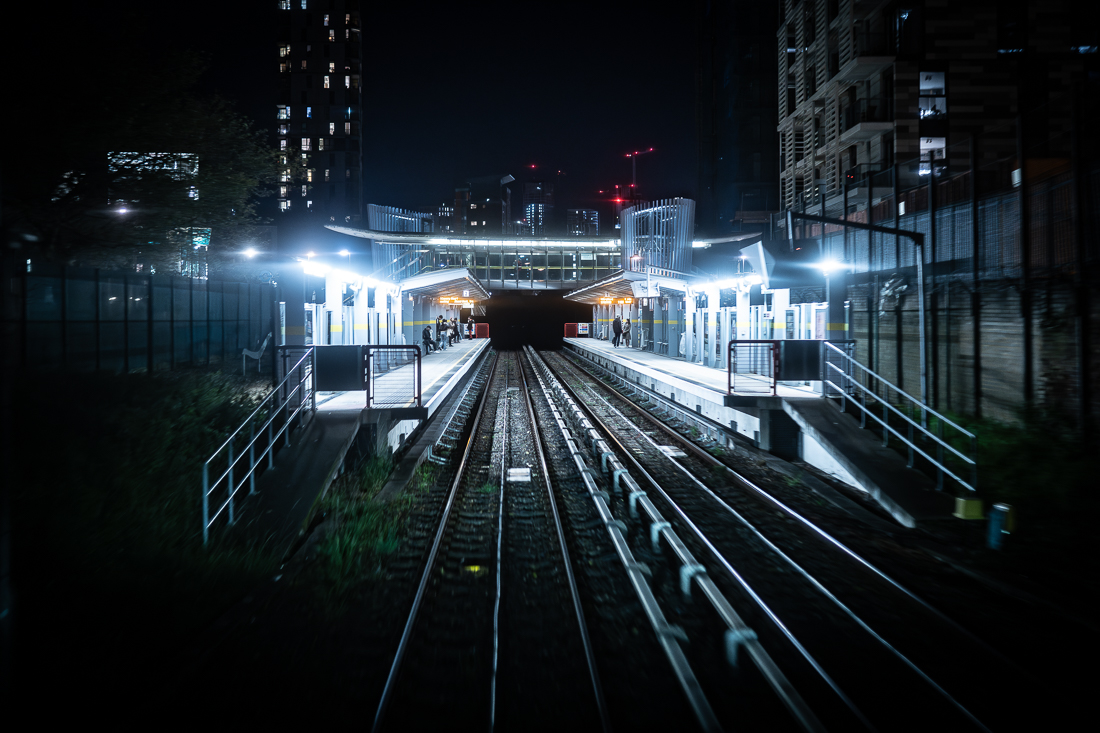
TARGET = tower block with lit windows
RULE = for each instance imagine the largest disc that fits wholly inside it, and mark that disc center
(319, 112)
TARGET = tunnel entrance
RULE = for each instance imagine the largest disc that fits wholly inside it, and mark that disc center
(531, 318)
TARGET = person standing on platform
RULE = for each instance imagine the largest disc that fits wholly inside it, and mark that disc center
(439, 332)
(455, 335)
(426, 335)
(626, 333)
(470, 330)
(617, 329)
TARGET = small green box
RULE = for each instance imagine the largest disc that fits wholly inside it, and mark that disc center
(968, 507)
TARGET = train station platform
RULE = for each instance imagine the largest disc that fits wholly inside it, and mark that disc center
(796, 424)
(287, 494)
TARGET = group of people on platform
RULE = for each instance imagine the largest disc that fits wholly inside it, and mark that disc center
(621, 331)
(446, 334)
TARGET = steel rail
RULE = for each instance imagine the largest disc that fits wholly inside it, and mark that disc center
(802, 571)
(504, 443)
(780, 685)
(790, 561)
(746, 483)
(391, 680)
(590, 657)
(667, 634)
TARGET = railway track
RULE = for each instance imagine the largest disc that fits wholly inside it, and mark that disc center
(828, 614)
(496, 636)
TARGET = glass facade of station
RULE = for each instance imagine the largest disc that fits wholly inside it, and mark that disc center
(517, 264)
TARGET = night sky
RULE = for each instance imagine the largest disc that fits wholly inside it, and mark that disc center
(464, 90)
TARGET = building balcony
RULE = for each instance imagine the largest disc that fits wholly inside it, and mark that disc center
(867, 118)
(871, 54)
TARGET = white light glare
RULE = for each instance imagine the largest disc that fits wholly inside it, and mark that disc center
(250, 252)
(830, 266)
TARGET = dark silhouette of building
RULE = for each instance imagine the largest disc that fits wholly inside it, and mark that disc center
(538, 208)
(483, 206)
(583, 222)
(736, 115)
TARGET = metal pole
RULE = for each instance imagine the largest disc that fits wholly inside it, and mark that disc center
(975, 293)
(205, 502)
(98, 356)
(171, 322)
(934, 387)
(64, 318)
(1025, 265)
(149, 358)
(126, 323)
(1081, 278)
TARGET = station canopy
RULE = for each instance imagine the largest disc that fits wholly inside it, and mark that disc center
(628, 284)
(456, 284)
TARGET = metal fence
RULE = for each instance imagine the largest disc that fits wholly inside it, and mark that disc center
(951, 449)
(753, 366)
(393, 376)
(238, 459)
(80, 319)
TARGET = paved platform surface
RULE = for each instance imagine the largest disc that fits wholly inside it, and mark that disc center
(907, 494)
(286, 494)
(704, 377)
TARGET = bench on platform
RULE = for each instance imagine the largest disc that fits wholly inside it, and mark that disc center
(246, 353)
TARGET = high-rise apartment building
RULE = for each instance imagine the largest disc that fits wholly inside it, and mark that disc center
(538, 208)
(583, 222)
(319, 112)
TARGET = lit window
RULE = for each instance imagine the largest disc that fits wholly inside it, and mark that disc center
(473, 223)
(284, 129)
(347, 82)
(331, 67)
(303, 4)
(347, 128)
(347, 34)
(326, 174)
(309, 204)
(282, 191)
(284, 112)
(305, 143)
(332, 35)
(482, 223)
(304, 189)
(284, 205)
(284, 67)
(347, 19)
(332, 128)
(284, 4)
(282, 159)
(282, 145)
(326, 82)
(326, 18)
(473, 206)
(309, 112)
(284, 51)
(320, 143)
(309, 175)
(286, 176)
(303, 64)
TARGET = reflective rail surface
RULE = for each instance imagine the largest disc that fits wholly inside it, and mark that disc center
(855, 384)
(238, 460)
(753, 366)
(386, 384)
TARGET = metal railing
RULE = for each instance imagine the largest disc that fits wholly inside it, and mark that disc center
(272, 419)
(388, 384)
(756, 362)
(857, 385)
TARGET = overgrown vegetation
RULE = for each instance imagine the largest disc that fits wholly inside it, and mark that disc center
(365, 531)
(1048, 475)
(108, 558)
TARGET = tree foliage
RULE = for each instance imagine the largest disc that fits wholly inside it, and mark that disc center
(142, 161)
